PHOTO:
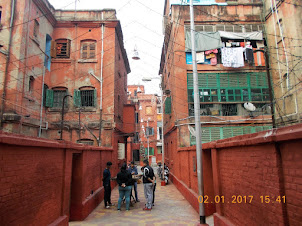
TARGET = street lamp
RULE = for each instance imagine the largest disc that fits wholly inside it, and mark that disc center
(162, 119)
(62, 119)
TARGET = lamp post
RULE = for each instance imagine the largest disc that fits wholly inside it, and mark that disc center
(162, 120)
(199, 157)
(62, 119)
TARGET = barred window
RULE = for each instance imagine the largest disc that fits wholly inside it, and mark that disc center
(36, 28)
(87, 98)
(62, 48)
(88, 49)
(58, 95)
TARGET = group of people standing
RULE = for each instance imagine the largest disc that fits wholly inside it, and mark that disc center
(125, 182)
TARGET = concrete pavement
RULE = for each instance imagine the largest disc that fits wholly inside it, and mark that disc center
(171, 208)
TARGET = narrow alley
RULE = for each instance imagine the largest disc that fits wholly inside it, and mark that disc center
(170, 208)
(93, 94)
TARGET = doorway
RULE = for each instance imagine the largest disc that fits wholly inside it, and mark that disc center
(135, 155)
(75, 188)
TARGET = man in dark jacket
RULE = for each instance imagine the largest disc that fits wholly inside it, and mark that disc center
(107, 186)
(148, 181)
(124, 180)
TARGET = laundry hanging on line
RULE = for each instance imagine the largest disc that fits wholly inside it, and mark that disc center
(232, 57)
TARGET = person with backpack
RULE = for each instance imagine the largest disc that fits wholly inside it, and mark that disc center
(124, 180)
(148, 181)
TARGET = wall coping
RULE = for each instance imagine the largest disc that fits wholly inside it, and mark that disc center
(22, 140)
(269, 136)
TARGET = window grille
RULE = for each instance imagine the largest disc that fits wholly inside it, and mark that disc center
(229, 109)
(237, 87)
(87, 98)
(62, 48)
(36, 28)
(136, 117)
(136, 137)
(58, 96)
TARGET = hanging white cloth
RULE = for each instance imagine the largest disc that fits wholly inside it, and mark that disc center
(232, 57)
(200, 57)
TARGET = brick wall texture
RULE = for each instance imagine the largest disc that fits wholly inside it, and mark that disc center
(245, 170)
(35, 180)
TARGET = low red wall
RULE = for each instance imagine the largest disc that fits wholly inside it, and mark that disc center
(248, 175)
(46, 182)
(261, 168)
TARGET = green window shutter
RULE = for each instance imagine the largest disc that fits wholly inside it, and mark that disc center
(77, 97)
(95, 98)
(151, 151)
(49, 98)
(168, 105)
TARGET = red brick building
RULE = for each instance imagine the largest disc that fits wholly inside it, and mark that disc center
(223, 88)
(51, 53)
(283, 26)
(147, 114)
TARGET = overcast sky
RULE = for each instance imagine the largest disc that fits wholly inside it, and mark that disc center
(141, 22)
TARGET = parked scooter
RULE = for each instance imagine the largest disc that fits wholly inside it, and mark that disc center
(166, 174)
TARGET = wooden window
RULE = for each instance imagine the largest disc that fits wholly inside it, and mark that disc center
(216, 133)
(168, 104)
(230, 87)
(36, 28)
(45, 88)
(85, 97)
(58, 95)
(88, 49)
(151, 151)
(54, 97)
(62, 48)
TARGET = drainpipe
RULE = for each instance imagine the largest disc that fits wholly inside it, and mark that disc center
(13, 5)
(41, 107)
(101, 82)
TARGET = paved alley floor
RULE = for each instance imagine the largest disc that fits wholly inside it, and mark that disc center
(171, 208)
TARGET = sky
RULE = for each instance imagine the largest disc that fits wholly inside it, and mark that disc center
(141, 22)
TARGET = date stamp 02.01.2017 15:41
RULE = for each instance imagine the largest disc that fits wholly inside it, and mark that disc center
(237, 199)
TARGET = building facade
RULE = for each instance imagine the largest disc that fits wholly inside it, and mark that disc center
(148, 125)
(223, 29)
(283, 33)
(49, 54)
(233, 85)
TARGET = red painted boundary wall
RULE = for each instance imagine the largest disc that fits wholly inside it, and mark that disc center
(268, 163)
(46, 182)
